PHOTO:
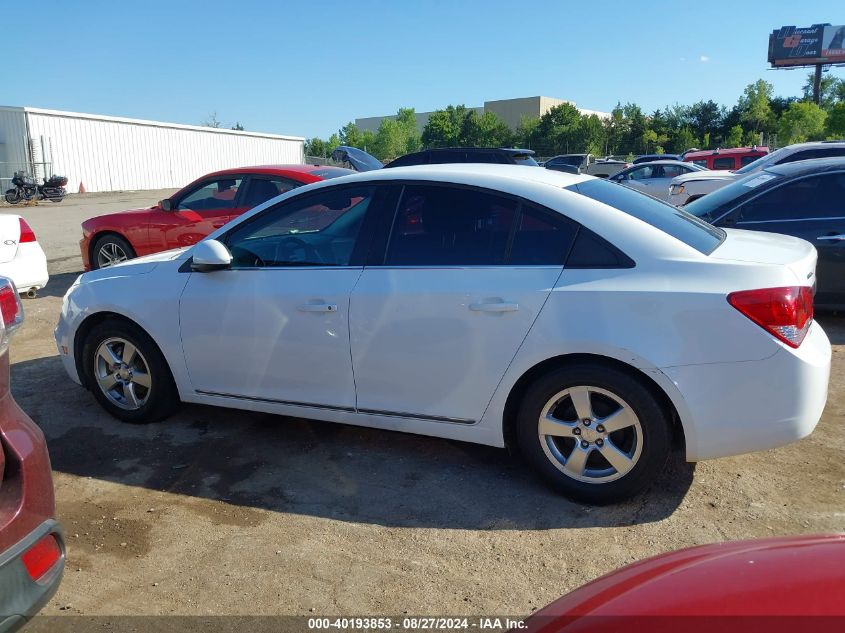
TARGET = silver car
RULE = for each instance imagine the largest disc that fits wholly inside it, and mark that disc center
(654, 177)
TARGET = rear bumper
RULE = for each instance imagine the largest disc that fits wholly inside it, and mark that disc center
(28, 269)
(735, 408)
(21, 597)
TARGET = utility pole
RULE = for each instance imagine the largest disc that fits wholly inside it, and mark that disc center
(817, 85)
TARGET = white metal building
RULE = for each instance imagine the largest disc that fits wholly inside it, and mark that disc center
(105, 153)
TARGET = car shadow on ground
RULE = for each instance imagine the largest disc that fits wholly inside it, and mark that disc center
(327, 470)
(834, 325)
(58, 284)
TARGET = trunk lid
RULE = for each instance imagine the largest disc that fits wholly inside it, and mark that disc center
(798, 255)
(10, 233)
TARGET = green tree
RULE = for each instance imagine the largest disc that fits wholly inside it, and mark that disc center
(526, 132)
(444, 127)
(835, 126)
(406, 119)
(802, 121)
(593, 135)
(829, 90)
(683, 140)
(755, 105)
(705, 118)
(351, 135)
(734, 137)
(237, 126)
(389, 141)
(487, 130)
(561, 126)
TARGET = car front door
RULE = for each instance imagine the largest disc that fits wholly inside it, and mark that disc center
(198, 212)
(274, 327)
(440, 312)
(812, 208)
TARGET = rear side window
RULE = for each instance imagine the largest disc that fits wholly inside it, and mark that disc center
(814, 197)
(449, 226)
(724, 162)
(679, 224)
(541, 238)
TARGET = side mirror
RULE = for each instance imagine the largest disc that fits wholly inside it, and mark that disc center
(166, 205)
(210, 255)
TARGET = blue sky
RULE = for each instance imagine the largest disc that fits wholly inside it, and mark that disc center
(306, 68)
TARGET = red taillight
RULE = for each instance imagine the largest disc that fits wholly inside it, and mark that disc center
(786, 313)
(10, 304)
(41, 557)
(27, 234)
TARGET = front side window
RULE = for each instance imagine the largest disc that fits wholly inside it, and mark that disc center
(215, 194)
(318, 229)
(450, 226)
(643, 173)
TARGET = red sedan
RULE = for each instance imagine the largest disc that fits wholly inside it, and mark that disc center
(191, 213)
(32, 550)
(772, 585)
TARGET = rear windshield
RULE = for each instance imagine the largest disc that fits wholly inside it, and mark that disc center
(524, 159)
(716, 203)
(687, 228)
(332, 172)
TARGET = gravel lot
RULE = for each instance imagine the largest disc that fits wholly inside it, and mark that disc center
(223, 512)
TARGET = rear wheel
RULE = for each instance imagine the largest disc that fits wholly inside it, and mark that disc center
(597, 434)
(127, 373)
(110, 250)
(12, 196)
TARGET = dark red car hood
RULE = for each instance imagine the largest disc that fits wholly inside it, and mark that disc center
(792, 576)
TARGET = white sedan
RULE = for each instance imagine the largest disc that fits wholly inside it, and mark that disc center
(21, 258)
(580, 320)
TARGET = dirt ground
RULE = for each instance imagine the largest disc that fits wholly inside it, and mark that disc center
(222, 512)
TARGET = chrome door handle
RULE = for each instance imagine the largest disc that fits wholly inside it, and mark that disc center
(494, 307)
(832, 238)
(317, 307)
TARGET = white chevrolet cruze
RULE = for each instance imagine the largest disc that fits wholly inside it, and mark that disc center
(580, 320)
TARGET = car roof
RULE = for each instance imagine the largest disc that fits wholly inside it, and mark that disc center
(506, 150)
(273, 170)
(662, 161)
(728, 151)
(811, 166)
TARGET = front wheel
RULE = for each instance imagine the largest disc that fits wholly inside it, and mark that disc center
(12, 196)
(127, 373)
(110, 250)
(595, 433)
(56, 199)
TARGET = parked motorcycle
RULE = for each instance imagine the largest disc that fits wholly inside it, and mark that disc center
(25, 189)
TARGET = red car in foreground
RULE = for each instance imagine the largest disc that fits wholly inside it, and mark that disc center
(779, 584)
(191, 213)
(32, 551)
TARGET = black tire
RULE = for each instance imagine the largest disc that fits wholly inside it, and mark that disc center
(106, 240)
(56, 199)
(162, 398)
(12, 197)
(654, 422)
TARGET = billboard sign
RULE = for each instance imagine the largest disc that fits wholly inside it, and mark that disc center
(817, 44)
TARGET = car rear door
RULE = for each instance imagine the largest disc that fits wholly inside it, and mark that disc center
(439, 313)
(812, 208)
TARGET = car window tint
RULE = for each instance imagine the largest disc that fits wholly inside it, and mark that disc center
(747, 160)
(642, 173)
(670, 171)
(724, 162)
(318, 229)
(449, 226)
(542, 237)
(700, 163)
(592, 251)
(814, 197)
(212, 195)
(806, 154)
(675, 222)
(263, 189)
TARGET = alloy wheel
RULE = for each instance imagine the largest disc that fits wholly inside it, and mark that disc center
(122, 373)
(590, 434)
(110, 254)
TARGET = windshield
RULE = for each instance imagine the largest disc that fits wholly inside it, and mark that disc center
(690, 230)
(714, 204)
(763, 161)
